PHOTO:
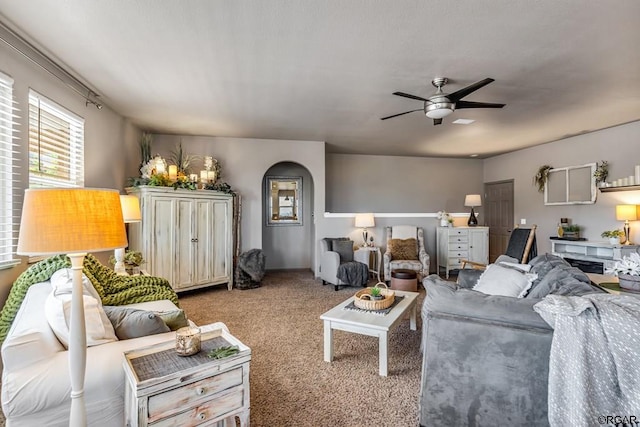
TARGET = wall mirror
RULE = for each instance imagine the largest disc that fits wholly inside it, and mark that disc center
(573, 185)
(283, 200)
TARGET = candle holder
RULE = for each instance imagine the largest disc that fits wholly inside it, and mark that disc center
(188, 341)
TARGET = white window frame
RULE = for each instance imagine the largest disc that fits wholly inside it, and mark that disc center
(8, 174)
(75, 148)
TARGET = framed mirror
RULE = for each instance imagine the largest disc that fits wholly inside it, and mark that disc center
(283, 200)
(573, 185)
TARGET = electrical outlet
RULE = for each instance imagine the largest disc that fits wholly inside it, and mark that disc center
(523, 221)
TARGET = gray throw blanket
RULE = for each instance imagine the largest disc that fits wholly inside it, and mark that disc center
(594, 368)
(353, 273)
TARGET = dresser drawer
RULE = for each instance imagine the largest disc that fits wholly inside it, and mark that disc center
(458, 246)
(458, 232)
(462, 238)
(221, 404)
(459, 254)
(164, 404)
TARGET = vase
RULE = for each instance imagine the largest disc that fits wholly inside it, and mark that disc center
(614, 240)
(444, 223)
(627, 281)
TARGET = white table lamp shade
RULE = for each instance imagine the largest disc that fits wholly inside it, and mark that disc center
(70, 220)
(130, 209)
(472, 200)
(365, 220)
(626, 212)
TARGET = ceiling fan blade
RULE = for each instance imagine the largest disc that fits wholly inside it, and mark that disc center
(408, 95)
(400, 114)
(459, 94)
(437, 122)
(471, 104)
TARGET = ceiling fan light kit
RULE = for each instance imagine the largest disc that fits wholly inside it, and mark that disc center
(442, 104)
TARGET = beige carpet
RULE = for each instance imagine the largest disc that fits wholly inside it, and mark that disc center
(291, 385)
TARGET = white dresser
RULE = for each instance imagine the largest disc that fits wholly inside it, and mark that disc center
(185, 236)
(461, 243)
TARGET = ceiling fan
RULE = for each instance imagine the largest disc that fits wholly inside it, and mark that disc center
(442, 104)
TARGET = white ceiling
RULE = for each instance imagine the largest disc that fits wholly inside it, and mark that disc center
(326, 69)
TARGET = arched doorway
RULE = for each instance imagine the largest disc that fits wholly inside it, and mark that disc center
(288, 244)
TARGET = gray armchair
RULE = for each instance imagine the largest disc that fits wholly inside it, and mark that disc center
(419, 264)
(335, 253)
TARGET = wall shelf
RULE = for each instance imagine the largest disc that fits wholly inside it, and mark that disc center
(623, 188)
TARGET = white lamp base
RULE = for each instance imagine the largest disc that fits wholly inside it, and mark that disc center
(77, 345)
(119, 267)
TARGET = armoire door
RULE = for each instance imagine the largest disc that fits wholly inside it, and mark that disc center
(204, 235)
(161, 242)
(185, 243)
(479, 245)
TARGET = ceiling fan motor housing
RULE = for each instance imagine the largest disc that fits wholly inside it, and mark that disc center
(438, 107)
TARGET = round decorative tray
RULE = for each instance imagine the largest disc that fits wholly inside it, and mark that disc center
(363, 299)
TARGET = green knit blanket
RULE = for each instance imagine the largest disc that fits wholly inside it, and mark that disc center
(112, 288)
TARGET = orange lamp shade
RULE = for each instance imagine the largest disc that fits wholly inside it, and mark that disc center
(626, 212)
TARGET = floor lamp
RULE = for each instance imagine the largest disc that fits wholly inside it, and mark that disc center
(72, 221)
(130, 213)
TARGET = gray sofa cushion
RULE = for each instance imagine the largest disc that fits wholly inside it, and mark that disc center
(446, 297)
(563, 280)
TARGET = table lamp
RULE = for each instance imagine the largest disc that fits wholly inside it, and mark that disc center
(472, 200)
(364, 221)
(130, 213)
(72, 221)
(627, 213)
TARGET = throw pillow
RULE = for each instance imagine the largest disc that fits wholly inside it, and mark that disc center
(405, 249)
(57, 310)
(62, 283)
(175, 319)
(499, 280)
(344, 249)
(133, 323)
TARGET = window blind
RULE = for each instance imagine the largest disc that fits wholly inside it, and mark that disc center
(8, 176)
(56, 145)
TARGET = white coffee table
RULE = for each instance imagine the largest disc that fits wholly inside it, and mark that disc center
(368, 324)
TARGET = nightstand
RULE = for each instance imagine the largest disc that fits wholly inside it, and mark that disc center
(164, 389)
(372, 256)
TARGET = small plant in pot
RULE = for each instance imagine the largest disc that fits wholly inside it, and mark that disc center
(571, 231)
(376, 294)
(614, 236)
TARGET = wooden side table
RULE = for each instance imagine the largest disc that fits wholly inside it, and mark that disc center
(164, 389)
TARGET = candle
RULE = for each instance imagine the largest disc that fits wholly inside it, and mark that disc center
(193, 177)
(211, 175)
(203, 176)
(173, 172)
(188, 341)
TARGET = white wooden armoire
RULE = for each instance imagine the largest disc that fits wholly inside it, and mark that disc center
(185, 236)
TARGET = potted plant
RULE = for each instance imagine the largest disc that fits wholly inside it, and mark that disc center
(572, 231)
(132, 261)
(376, 294)
(628, 271)
(613, 236)
(445, 219)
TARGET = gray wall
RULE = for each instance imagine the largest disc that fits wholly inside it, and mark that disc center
(290, 246)
(618, 145)
(108, 136)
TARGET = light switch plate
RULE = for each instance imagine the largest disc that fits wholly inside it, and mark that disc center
(523, 221)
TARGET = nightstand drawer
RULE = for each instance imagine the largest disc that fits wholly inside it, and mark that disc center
(223, 403)
(164, 404)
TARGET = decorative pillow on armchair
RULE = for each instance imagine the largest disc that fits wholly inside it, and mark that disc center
(403, 249)
(344, 249)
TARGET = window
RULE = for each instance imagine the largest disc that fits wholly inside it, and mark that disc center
(56, 145)
(8, 181)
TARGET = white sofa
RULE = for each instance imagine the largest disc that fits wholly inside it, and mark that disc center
(35, 378)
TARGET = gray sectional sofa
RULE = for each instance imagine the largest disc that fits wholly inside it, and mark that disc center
(486, 357)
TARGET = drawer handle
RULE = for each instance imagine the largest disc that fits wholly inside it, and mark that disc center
(202, 416)
(200, 391)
